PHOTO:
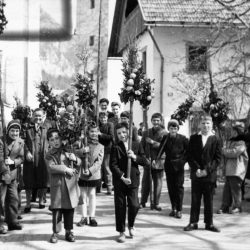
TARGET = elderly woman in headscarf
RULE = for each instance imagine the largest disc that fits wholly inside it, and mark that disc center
(236, 160)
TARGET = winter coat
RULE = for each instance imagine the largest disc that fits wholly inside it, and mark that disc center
(95, 158)
(35, 173)
(236, 159)
(64, 190)
(15, 150)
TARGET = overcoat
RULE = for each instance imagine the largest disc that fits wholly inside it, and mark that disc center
(64, 190)
(35, 173)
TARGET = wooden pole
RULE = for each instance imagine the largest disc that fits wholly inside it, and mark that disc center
(99, 62)
(130, 137)
(145, 121)
(85, 139)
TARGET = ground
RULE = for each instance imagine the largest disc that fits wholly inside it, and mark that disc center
(154, 230)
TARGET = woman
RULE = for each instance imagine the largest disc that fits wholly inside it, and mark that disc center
(236, 160)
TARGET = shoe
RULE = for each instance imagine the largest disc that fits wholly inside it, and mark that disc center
(69, 236)
(92, 222)
(152, 206)
(157, 207)
(191, 226)
(3, 230)
(27, 209)
(121, 238)
(212, 228)
(16, 226)
(53, 238)
(131, 231)
(41, 206)
(223, 211)
(172, 213)
(82, 222)
(236, 210)
(19, 217)
(109, 193)
(178, 215)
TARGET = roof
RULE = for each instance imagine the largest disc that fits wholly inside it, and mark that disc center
(193, 11)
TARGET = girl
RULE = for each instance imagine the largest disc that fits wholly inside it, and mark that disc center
(90, 175)
(14, 149)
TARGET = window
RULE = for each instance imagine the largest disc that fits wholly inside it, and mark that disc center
(144, 61)
(197, 58)
(92, 4)
(91, 40)
(131, 5)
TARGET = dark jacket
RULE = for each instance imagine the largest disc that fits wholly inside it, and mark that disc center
(207, 157)
(107, 136)
(119, 160)
(175, 150)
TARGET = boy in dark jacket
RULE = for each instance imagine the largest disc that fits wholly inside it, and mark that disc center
(126, 187)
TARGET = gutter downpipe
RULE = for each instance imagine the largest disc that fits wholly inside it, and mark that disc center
(162, 67)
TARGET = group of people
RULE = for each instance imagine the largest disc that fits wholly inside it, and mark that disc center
(41, 161)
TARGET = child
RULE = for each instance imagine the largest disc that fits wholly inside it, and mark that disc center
(8, 186)
(126, 188)
(63, 185)
(90, 175)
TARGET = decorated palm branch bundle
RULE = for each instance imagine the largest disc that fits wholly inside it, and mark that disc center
(47, 100)
(85, 96)
(136, 87)
(183, 110)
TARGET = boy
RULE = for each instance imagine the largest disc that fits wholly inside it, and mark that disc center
(204, 156)
(64, 189)
(126, 188)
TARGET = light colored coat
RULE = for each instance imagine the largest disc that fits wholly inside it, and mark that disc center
(64, 190)
(236, 159)
(95, 158)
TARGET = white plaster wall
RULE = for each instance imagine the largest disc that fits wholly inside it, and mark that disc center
(22, 15)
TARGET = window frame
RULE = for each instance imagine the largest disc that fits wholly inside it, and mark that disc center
(91, 40)
(190, 67)
(92, 4)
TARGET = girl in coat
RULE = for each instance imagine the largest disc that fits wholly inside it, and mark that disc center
(14, 154)
(90, 175)
(64, 191)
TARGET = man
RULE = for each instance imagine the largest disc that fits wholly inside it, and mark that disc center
(150, 142)
(35, 173)
(106, 137)
(126, 187)
(103, 105)
(115, 106)
(204, 155)
(125, 117)
(175, 147)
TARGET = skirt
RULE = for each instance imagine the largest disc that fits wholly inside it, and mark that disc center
(90, 183)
